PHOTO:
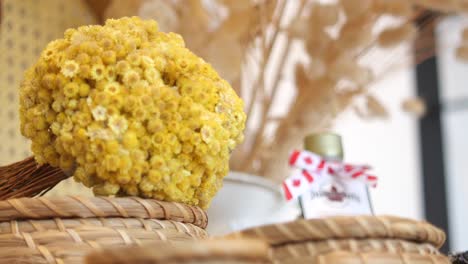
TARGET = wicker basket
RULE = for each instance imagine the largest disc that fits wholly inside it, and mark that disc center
(363, 239)
(238, 251)
(63, 230)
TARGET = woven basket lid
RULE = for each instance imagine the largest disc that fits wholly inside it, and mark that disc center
(346, 257)
(92, 207)
(242, 250)
(359, 227)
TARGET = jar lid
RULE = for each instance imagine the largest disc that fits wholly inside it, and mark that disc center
(327, 145)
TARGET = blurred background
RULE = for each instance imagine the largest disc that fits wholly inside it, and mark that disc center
(388, 75)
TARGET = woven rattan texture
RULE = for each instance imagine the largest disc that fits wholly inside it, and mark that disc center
(69, 243)
(346, 257)
(207, 251)
(86, 207)
(311, 249)
(369, 227)
(64, 230)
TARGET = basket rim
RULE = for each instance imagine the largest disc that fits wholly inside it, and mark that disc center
(100, 207)
(314, 248)
(379, 257)
(347, 227)
(217, 248)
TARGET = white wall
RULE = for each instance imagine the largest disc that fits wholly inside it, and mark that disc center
(453, 84)
(390, 147)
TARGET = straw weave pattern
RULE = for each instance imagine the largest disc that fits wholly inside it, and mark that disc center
(359, 239)
(65, 229)
(346, 257)
(360, 227)
(86, 207)
(188, 252)
(318, 248)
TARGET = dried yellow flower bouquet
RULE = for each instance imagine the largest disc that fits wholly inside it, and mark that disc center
(131, 111)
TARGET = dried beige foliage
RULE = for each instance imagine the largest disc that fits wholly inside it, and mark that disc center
(167, 17)
(346, 68)
(356, 8)
(324, 14)
(237, 4)
(397, 8)
(120, 8)
(375, 108)
(464, 35)
(225, 54)
(357, 33)
(461, 53)
(252, 42)
(396, 35)
(440, 5)
(415, 106)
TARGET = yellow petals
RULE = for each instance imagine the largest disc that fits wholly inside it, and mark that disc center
(206, 134)
(155, 125)
(102, 98)
(83, 58)
(99, 113)
(122, 67)
(85, 71)
(84, 89)
(111, 162)
(147, 62)
(146, 185)
(110, 73)
(131, 77)
(70, 68)
(49, 81)
(112, 88)
(154, 176)
(108, 57)
(97, 72)
(130, 140)
(134, 59)
(106, 189)
(152, 75)
(118, 124)
(72, 104)
(140, 113)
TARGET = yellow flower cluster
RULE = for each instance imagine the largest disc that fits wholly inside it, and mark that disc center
(131, 111)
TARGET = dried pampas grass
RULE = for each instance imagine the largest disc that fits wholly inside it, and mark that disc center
(167, 17)
(391, 37)
(414, 106)
(396, 8)
(356, 8)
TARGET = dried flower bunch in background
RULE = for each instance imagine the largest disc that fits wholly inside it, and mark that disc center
(345, 47)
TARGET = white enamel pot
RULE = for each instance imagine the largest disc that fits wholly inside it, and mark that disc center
(247, 201)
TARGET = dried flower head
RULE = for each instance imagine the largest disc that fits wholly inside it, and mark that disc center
(146, 98)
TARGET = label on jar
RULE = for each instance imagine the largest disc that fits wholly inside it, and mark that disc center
(331, 196)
